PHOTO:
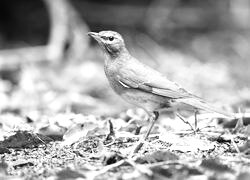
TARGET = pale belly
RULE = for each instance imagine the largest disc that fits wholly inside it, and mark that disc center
(148, 101)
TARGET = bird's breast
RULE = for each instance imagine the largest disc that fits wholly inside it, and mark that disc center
(111, 73)
(145, 100)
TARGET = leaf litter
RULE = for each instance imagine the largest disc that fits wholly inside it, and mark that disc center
(85, 152)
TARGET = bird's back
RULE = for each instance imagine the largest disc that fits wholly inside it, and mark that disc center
(130, 77)
(133, 70)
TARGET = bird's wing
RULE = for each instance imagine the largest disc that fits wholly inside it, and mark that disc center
(144, 78)
(147, 79)
(130, 82)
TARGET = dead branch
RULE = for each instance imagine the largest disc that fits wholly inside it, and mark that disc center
(67, 39)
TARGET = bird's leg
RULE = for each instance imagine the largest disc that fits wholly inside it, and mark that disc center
(195, 120)
(153, 117)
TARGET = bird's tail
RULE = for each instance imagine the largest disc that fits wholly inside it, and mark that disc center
(200, 104)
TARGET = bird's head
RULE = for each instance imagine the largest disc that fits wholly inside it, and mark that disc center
(111, 42)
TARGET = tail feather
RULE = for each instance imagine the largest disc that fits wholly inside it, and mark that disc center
(200, 104)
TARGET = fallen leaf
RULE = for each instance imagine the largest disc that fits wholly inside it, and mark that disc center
(111, 158)
(21, 164)
(243, 176)
(245, 147)
(77, 131)
(187, 143)
(158, 156)
(24, 139)
(215, 165)
(3, 167)
(68, 174)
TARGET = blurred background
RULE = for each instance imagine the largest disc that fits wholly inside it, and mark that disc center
(48, 64)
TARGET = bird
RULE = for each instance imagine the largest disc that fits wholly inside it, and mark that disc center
(141, 85)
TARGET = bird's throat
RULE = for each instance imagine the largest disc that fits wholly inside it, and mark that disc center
(112, 53)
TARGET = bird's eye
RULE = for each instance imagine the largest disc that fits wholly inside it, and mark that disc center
(111, 38)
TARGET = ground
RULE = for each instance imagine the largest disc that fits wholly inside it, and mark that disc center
(211, 153)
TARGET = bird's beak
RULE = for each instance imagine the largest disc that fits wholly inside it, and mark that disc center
(95, 36)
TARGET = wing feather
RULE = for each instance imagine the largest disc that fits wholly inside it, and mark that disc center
(147, 79)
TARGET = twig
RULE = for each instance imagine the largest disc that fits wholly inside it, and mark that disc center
(111, 130)
(141, 168)
(165, 163)
(109, 144)
(40, 139)
(138, 129)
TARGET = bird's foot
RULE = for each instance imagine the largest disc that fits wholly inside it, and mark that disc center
(154, 116)
(194, 129)
(111, 134)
